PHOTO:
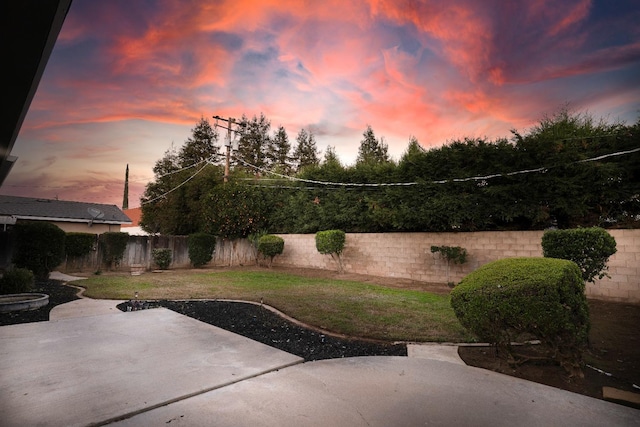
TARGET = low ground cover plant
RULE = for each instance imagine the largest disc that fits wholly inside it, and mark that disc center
(518, 298)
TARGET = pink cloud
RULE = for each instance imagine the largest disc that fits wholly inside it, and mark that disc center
(125, 82)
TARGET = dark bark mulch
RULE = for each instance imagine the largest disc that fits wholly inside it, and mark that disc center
(249, 320)
(262, 325)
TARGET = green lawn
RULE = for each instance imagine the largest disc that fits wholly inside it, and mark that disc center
(352, 308)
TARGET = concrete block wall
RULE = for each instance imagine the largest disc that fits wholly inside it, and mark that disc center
(408, 255)
(624, 269)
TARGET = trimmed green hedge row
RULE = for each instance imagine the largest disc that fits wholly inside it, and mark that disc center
(79, 244)
(541, 297)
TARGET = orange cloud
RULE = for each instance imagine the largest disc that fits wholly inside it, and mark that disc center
(126, 82)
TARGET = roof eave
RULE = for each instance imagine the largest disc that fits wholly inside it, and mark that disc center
(87, 220)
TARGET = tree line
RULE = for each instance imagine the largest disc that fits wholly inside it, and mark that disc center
(569, 170)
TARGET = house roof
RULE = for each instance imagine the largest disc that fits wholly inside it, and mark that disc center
(135, 214)
(61, 210)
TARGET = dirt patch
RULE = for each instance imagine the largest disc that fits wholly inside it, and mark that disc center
(612, 360)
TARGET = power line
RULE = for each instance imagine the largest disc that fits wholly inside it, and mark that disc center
(444, 181)
(177, 186)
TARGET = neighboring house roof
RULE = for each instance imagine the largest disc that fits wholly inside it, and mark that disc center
(134, 228)
(135, 214)
(61, 210)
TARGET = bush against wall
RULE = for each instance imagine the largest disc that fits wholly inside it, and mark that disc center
(162, 257)
(590, 248)
(77, 245)
(201, 248)
(270, 246)
(254, 239)
(16, 281)
(506, 300)
(331, 242)
(452, 254)
(39, 247)
(113, 245)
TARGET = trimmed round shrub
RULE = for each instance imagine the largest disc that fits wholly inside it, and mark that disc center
(590, 248)
(330, 241)
(113, 244)
(201, 248)
(16, 281)
(270, 246)
(39, 247)
(162, 257)
(540, 297)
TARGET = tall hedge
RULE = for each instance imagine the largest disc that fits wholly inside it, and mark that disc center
(201, 248)
(590, 248)
(39, 247)
(113, 245)
(79, 244)
(543, 297)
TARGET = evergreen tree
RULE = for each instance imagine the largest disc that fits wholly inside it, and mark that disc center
(125, 198)
(171, 204)
(253, 145)
(331, 157)
(371, 150)
(306, 152)
(202, 146)
(278, 154)
(153, 201)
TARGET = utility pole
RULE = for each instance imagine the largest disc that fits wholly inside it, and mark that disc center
(230, 122)
(226, 165)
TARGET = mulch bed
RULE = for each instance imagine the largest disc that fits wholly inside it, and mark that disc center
(262, 325)
(249, 320)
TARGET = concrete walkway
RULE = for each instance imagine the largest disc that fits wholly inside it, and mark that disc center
(157, 367)
(82, 307)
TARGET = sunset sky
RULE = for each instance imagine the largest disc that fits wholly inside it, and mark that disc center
(127, 79)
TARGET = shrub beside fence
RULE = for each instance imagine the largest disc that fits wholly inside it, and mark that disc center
(401, 255)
